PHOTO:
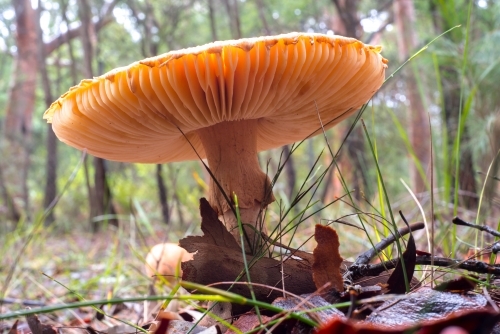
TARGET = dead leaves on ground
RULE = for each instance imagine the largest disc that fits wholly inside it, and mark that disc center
(472, 321)
(324, 274)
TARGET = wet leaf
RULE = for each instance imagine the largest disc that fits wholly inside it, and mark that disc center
(423, 305)
(472, 321)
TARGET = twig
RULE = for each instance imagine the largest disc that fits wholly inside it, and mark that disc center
(361, 270)
(459, 221)
(22, 302)
(365, 257)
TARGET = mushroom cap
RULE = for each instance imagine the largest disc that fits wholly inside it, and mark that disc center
(165, 259)
(150, 110)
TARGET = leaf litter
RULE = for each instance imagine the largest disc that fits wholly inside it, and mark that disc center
(315, 288)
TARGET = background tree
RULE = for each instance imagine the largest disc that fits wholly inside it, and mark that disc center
(121, 32)
(418, 120)
(21, 101)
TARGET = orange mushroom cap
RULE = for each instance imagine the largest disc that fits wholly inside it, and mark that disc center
(134, 113)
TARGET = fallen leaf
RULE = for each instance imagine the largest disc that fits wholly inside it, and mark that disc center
(13, 329)
(248, 322)
(327, 260)
(214, 232)
(218, 258)
(217, 310)
(309, 302)
(396, 283)
(37, 327)
(472, 321)
(461, 284)
(424, 304)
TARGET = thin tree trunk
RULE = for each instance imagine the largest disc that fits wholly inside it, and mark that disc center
(13, 213)
(234, 17)
(101, 197)
(149, 49)
(211, 15)
(290, 171)
(163, 194)
(349, 25)
(51, 144)
(67, 40)
(19, 111)
(404, 16)
(22, 94)
(262, 15)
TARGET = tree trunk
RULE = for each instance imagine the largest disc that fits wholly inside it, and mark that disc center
(50, 192)
(234, 17)
(450, 81)
(163, 194)
(211, 15)
(262, 15)
(348, 25)
(21, 104)
(22, 94)
(404, 16)
(100, 196)
(290, 171)
(12, 211)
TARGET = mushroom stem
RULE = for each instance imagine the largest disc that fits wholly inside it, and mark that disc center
(231, 150)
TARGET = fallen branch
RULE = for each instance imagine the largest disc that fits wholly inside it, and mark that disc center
(460, 222)
(362, 270)
(366, 257)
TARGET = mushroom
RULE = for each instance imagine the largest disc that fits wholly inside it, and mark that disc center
(165, 260)
(224, 101)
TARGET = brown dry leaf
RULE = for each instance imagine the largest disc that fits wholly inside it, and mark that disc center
(214, 232)
(461, 284)
(37, 327)
(218, 258)
(13, 329)
(248, 322)
(472, 321)
(162, 326)
(327, 259)
(396, 283)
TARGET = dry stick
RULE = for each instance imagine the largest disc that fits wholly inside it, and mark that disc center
(458, 221)
(365, 257)
(362, 270)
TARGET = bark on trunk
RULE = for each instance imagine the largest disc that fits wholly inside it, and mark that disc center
(404, 16)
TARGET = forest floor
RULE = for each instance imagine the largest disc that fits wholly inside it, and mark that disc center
(57, 270)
